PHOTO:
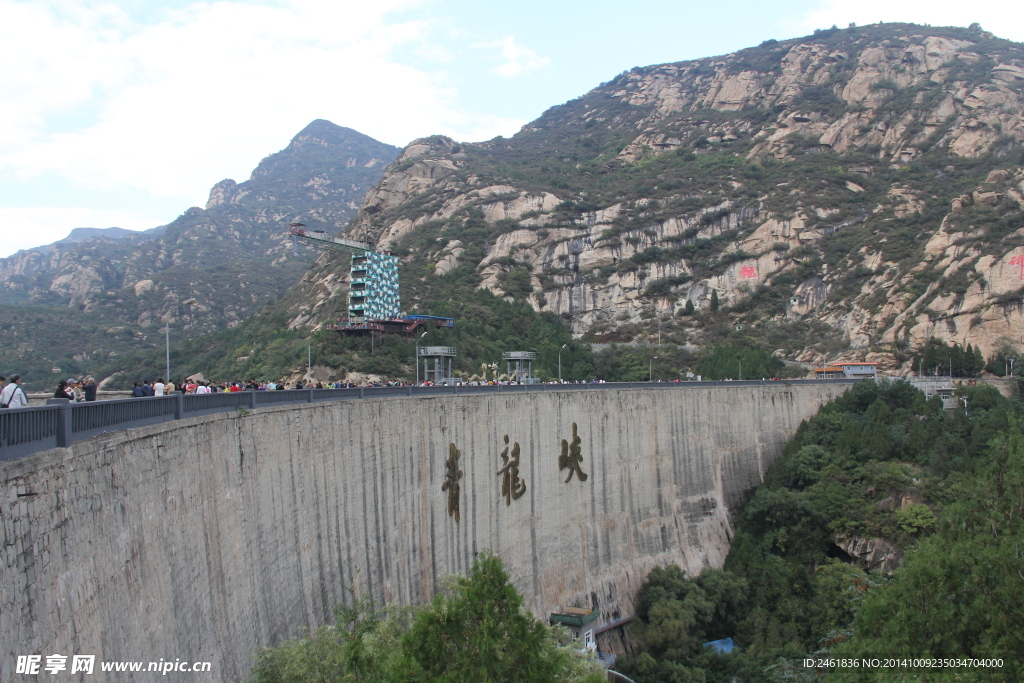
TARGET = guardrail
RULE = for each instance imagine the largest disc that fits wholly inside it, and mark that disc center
(24, 431)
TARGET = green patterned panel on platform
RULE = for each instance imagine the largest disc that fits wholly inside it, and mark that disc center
(377, 299)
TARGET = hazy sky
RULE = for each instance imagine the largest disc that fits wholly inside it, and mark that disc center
(125, 113)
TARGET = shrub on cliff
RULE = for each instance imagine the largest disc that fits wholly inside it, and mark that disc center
(875, 472)
(475, 630)
(731, 362)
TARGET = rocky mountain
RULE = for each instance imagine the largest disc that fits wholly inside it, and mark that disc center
(17, 271)
(852, 193)
(106, 292)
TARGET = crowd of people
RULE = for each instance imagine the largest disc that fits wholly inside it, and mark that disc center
(76, 390)
(84, 389)
(199, 386)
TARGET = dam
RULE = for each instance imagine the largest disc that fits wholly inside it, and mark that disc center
(208, 537)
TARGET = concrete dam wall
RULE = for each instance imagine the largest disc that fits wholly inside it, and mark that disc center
(206, 538)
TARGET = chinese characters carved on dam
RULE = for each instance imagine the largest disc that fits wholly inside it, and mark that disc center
(451, 481)
(512, 487)
(572, 457)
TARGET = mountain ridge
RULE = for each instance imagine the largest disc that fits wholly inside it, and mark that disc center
(232, 256)
(830, 181)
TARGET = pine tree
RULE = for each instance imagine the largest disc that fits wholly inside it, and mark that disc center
(956, 361)
(688, 309)
(977, 362)
(714, 301)
(481, 632)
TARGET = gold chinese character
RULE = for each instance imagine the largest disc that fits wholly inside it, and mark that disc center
(572, 457)
(451, 482)
(511, 485)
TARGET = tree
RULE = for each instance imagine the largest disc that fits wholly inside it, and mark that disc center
(688, 309)
(476, 630)
(960, 591)
(679, 614)
(977, 362)
(728, 362)
(714, 301)
(843, 476)
(480, 632)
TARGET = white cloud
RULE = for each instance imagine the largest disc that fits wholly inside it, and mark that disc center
(173, 103)
(26, 227)
(1005, 18)
(519, 59)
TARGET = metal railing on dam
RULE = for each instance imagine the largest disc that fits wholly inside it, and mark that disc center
(24, 431)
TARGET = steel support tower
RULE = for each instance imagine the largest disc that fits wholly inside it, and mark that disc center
(441, 356)
(523, 361)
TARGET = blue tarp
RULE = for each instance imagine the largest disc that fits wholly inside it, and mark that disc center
(724, 646)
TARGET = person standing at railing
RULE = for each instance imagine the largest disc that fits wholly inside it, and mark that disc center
(159, 387)
(89, 389)
(63, 391)
(12, 395)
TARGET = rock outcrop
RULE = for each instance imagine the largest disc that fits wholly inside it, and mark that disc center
(841, 179)
(233, 256)
(874, 554)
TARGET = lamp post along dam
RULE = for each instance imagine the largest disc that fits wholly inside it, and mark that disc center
(206, 538)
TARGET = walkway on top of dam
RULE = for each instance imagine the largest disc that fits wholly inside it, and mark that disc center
(24, 431)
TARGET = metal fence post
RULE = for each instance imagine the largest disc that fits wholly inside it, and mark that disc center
(410, 390)
(361, 395)
(179, 405)
(309, 395)
(252, 400)
(64, 425)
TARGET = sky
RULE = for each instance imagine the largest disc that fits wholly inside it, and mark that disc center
(124, 113)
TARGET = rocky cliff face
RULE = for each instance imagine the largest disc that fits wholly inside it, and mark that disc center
(864, 182)
(232, 256)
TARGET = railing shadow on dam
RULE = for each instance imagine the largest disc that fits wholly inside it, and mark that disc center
(211, 535)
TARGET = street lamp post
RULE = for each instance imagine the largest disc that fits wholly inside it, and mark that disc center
(418, 357)
(167, 334)
(964, 399)
(650, 369)
(309, 359)
(560, 363)
(1011, 365)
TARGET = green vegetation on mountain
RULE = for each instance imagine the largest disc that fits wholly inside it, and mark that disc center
(474, 630)
(877, 468)
(264, 348)
(864, 183)
(87, 304)
(728, 362)
(939, 358)
(855, 192)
